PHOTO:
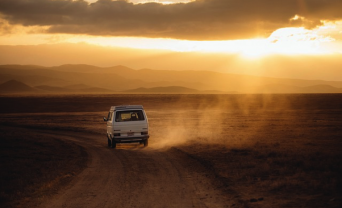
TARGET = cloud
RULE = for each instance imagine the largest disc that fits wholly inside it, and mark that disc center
(5, 27)
(196, 20)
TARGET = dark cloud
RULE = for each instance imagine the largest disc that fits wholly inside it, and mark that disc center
(197, 20)
(5, 28)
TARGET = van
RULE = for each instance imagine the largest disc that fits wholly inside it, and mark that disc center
(127, 124)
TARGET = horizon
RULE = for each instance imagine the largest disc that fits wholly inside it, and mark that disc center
(295, 39)
(84, 79)
(154, 69)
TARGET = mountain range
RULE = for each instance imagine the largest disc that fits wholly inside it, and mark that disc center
(121, 79)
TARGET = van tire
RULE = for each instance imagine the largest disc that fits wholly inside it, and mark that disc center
(113, 145)
(109, 142)
(146, 143)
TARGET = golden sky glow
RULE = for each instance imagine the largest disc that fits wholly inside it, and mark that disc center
(250, 29)
(292, 40)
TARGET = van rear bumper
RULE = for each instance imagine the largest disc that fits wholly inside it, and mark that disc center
(122, 139)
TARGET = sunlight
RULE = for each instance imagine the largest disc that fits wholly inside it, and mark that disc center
(283, 41)
(289, 41)
(297, 41)
(252, 48)
(149, 1)
(325, 39)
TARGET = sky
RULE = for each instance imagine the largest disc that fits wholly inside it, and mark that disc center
(253, 31)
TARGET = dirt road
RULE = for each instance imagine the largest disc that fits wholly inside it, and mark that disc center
(133, 176)
(222, 151)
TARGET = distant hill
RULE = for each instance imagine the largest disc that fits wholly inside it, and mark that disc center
(33, 80)
(170, 89)
(73, 89)
(83, 68)
(52, 89)
(322, 89)
(77, 86)
(67, 78)
(94, 90)
(14, 86)
(23, 67)
(278, 88)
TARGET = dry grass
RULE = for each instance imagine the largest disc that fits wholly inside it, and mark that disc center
(300, 178)
(34, 166)
(263, 150)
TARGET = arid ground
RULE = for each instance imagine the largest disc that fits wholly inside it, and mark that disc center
(236, 150)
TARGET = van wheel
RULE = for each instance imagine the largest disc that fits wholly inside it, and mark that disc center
(146, 143)
(113, 144)
(109, 142)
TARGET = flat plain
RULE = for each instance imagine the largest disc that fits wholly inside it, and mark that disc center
(257, 150)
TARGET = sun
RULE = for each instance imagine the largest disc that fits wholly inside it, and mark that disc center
(289, 41)
(297, 41)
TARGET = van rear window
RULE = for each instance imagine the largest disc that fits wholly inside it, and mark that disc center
(132, 115)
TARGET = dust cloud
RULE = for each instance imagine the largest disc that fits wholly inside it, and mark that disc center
(231, 120)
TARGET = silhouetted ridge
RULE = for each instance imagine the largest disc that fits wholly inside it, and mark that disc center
(322, 89)
(13, 86)
(87, 78)
(52, 89)
(77, 86)
(170, 89)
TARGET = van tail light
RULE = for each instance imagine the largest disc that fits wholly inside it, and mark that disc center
(144, 133)
(117, 134)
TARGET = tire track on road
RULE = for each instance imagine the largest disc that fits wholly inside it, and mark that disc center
(132, 176)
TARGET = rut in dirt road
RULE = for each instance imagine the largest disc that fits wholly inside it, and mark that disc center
(132, 176)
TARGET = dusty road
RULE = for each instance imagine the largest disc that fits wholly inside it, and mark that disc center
(207, 151)
(133, 176)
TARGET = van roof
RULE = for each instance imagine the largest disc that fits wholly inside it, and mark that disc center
(126, 107)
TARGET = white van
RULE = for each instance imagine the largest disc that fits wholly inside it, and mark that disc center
(126, 124)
